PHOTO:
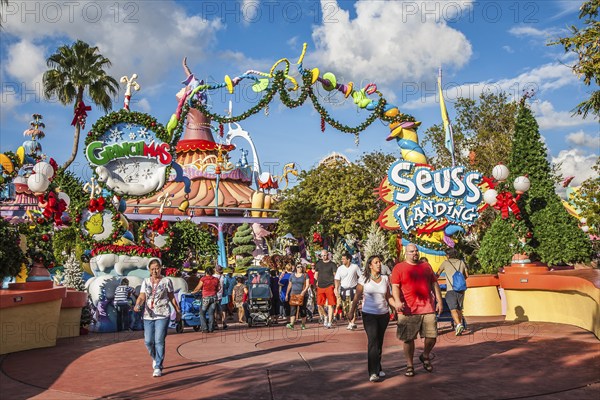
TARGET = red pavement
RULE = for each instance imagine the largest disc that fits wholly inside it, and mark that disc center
(494, 360)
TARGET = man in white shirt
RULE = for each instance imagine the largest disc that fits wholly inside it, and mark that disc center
(346, 279)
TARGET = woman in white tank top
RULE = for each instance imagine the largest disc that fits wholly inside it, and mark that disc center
(374, 288)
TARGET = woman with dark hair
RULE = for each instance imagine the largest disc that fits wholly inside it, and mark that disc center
(375, 290)
(156, 293)
(299, 286)
(210, 287)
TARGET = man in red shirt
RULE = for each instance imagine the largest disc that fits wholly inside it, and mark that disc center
(413, 286)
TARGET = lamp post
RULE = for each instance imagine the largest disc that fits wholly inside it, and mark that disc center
(221, 240)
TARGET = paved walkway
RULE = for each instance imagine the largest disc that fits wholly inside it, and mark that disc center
(494, 360)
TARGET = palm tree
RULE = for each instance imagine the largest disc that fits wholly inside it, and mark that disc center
(73, 70)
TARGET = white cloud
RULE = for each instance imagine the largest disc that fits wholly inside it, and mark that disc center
(529, 31)
(142, 105)
(508, 49)
(546, 78)
(26, 62)
(547, 117)
(387, 41)
(142, 37)
(580, 138)
(575, 163)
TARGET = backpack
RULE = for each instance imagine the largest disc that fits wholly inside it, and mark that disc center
(459, 283)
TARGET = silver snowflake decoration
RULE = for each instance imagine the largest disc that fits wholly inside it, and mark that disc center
(148, 173)
(131, 135)
(143, 133)
(129, 126)
(121, 167)
(115, 134)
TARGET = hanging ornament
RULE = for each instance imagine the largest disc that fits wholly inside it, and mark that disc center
(356, 139)
(322, 124)
(221, 130)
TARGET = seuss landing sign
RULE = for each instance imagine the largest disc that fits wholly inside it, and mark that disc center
(424, 200)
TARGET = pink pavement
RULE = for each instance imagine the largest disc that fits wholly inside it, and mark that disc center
(494, 359)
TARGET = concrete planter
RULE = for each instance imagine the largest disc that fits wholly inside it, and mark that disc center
(70, 313)
(29, 314)
(482, 298)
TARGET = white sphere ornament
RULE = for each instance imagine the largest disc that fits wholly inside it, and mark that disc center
(38, 183)
(44, 168)
(585, 228)
(65, 197)
(490, 197)
(500, 172)
(583, 221)
(522, 184)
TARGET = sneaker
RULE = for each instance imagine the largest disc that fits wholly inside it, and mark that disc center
(459, 329)
(328, 326)
(374, 378)
(381, 374)
(290, 326)
(157, 372)
(303, 327)
(349, 327)
(325, 323)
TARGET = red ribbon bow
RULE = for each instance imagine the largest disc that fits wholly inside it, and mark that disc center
(506, 202)
(54, 208)
(159, 226)
(97, 204)
(80, 114)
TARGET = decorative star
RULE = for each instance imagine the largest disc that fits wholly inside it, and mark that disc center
(132, 136)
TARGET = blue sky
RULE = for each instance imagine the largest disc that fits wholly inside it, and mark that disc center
(399, 45)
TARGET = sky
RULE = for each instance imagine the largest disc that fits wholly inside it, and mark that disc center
(398, 45)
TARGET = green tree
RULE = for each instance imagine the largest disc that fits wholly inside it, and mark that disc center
(483, 133)
(189, 238)
(588, 200)
(11, 256)
(340, 196)
(585, 43)
(75, 70)
(244, 246)
(497, 247)
(549, 232)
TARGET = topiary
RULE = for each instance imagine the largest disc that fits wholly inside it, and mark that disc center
(244, 241)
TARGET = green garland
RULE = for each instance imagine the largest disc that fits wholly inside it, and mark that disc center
(278, 86)
(147, 225)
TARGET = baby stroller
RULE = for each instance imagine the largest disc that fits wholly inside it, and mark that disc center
(190, 305)
(260, 298)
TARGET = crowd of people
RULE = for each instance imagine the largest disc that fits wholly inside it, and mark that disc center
(377, 293)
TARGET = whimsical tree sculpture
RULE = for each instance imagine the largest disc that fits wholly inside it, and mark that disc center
(244, 241)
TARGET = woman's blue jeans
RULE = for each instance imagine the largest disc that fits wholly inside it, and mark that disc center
(208, 305)
(155, 332)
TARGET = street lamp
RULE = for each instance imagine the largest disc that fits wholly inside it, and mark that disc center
(221, 239)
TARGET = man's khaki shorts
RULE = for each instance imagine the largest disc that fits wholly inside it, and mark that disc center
(410, 325)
